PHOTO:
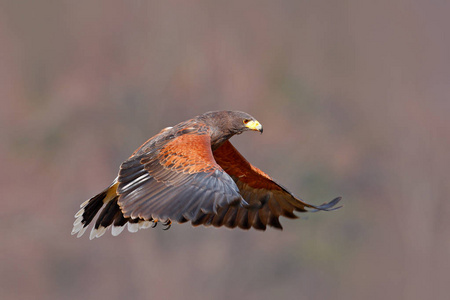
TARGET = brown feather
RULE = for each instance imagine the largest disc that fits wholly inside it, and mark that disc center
(191, 172)
(175, 180)
(267, 199)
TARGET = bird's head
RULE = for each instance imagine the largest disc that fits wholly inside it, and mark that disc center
(241, 121)
(225, 124)
(233, 122)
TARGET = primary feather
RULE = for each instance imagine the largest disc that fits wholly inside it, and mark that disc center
(191, 172)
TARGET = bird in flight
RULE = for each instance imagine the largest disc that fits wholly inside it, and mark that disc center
(192, 173)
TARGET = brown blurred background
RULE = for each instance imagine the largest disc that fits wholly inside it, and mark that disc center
(353, 96)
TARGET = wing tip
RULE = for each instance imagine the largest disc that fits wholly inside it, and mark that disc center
(328, 206)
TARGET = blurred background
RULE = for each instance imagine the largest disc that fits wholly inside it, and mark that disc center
(353, 96)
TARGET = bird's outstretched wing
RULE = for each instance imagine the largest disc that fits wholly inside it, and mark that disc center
(267, 200)
(177, 180)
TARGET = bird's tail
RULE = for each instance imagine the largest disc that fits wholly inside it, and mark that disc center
(90, 208)
(110, 216)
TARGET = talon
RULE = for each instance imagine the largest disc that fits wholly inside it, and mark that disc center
(167, 224)
(155, 222)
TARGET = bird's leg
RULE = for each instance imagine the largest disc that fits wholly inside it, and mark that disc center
(167, 224)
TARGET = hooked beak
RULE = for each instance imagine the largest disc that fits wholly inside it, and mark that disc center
(254, 125)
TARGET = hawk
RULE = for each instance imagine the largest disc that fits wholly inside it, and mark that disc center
(192, 173)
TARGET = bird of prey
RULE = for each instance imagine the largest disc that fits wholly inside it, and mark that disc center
(191, 172)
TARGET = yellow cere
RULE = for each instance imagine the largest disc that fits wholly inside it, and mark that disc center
(253, 125)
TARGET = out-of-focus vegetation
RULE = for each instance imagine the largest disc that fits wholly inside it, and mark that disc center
(353, 96)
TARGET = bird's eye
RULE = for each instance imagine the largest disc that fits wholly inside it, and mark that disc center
(246, 121)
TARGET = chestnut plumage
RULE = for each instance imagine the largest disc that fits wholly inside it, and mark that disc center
(191, 172)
